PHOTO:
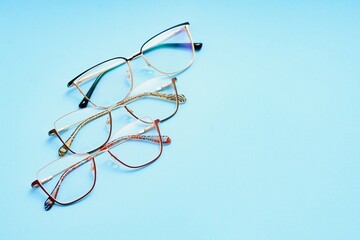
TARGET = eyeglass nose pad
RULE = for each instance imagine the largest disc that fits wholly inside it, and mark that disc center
(92, 167)
(108, 123)
(127, 74)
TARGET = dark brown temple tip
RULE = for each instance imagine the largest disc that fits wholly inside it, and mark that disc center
(52, 132)
(35, 184)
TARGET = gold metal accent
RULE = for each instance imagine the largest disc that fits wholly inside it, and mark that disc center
(105, 69)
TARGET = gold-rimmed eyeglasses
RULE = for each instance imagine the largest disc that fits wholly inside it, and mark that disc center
(168, 52)
(155, 98)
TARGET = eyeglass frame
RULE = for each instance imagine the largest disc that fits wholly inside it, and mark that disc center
(91, 157)
(87, 96)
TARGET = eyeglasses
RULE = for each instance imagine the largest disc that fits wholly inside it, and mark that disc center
(156, 98)
(168, 52)
(109, 85)
(71, 178)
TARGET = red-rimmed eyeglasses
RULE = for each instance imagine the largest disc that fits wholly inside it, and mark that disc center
(71, 178)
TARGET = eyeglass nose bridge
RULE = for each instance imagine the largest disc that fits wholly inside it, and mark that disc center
(132, 57)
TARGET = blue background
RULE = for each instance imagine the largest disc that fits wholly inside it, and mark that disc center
(267, 146)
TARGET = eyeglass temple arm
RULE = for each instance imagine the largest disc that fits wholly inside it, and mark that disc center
(36, 183)
(178, 98)
(85, 100)
(49, 202)
(146, 138)
(197, 46)
(165, 36)
(155, 139)
(81, 79)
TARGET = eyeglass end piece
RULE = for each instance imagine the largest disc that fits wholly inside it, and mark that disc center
(51, 132)
(35, 184)
(198, 46)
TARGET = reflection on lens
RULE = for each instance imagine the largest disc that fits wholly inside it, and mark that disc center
(68, 179)
(171, 51)
(84, 130)
(106, 84)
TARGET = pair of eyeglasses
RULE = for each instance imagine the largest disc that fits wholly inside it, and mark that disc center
(156, 98)
(169, 52)
(71, 178)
